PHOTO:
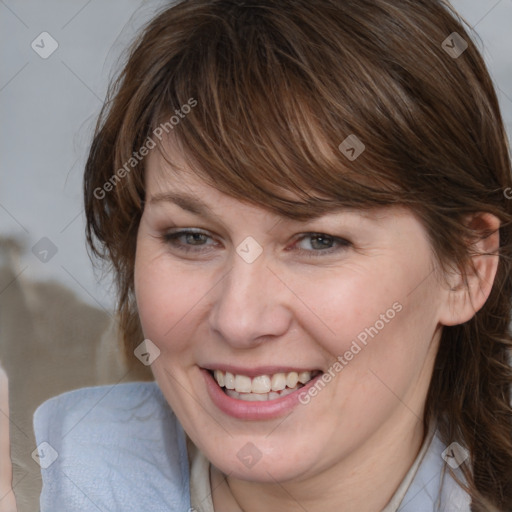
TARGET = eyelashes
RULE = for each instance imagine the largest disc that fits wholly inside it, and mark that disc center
(180, 241)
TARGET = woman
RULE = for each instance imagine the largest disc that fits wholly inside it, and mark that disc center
(303, 205)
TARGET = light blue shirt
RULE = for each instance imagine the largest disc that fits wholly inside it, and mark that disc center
(120, 448)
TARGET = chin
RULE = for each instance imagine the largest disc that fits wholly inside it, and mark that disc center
(265, 464)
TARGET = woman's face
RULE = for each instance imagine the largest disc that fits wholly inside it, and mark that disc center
(262, 301)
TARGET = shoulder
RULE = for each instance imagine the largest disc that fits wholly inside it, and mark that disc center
(116, 402)
(116, 447)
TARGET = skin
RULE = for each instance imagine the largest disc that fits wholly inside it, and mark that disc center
(351, 446)
(7, 498)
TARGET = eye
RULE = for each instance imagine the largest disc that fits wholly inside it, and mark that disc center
(187, 240)
(322, 244)
(195, 241)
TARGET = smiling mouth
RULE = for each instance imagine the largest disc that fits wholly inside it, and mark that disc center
(263, 387)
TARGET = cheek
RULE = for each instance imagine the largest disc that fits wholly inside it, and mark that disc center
(378, 337)
(337, 307)
(163, 294)
(373, 320)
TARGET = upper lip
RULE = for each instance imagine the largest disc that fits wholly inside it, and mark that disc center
(258, 370)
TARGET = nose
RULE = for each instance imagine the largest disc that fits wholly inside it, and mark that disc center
(250, 305)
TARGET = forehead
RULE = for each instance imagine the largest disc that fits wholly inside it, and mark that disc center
(169, 174)
(175, 183)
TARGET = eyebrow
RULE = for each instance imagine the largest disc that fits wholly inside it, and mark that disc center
(197, 206)
(187, 202)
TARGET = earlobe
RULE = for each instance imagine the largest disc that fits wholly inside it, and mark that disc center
(465, 298)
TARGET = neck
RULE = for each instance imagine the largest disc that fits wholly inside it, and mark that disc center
(365, 480)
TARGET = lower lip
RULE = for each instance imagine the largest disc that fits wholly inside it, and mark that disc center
(243, 410)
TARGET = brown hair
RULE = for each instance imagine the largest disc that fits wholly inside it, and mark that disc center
(277, 86)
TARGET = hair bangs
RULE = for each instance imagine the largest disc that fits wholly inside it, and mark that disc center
(263, 147)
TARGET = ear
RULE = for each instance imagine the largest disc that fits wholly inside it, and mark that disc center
(464, 299)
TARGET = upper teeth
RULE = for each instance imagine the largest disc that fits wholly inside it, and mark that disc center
(261, 383)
